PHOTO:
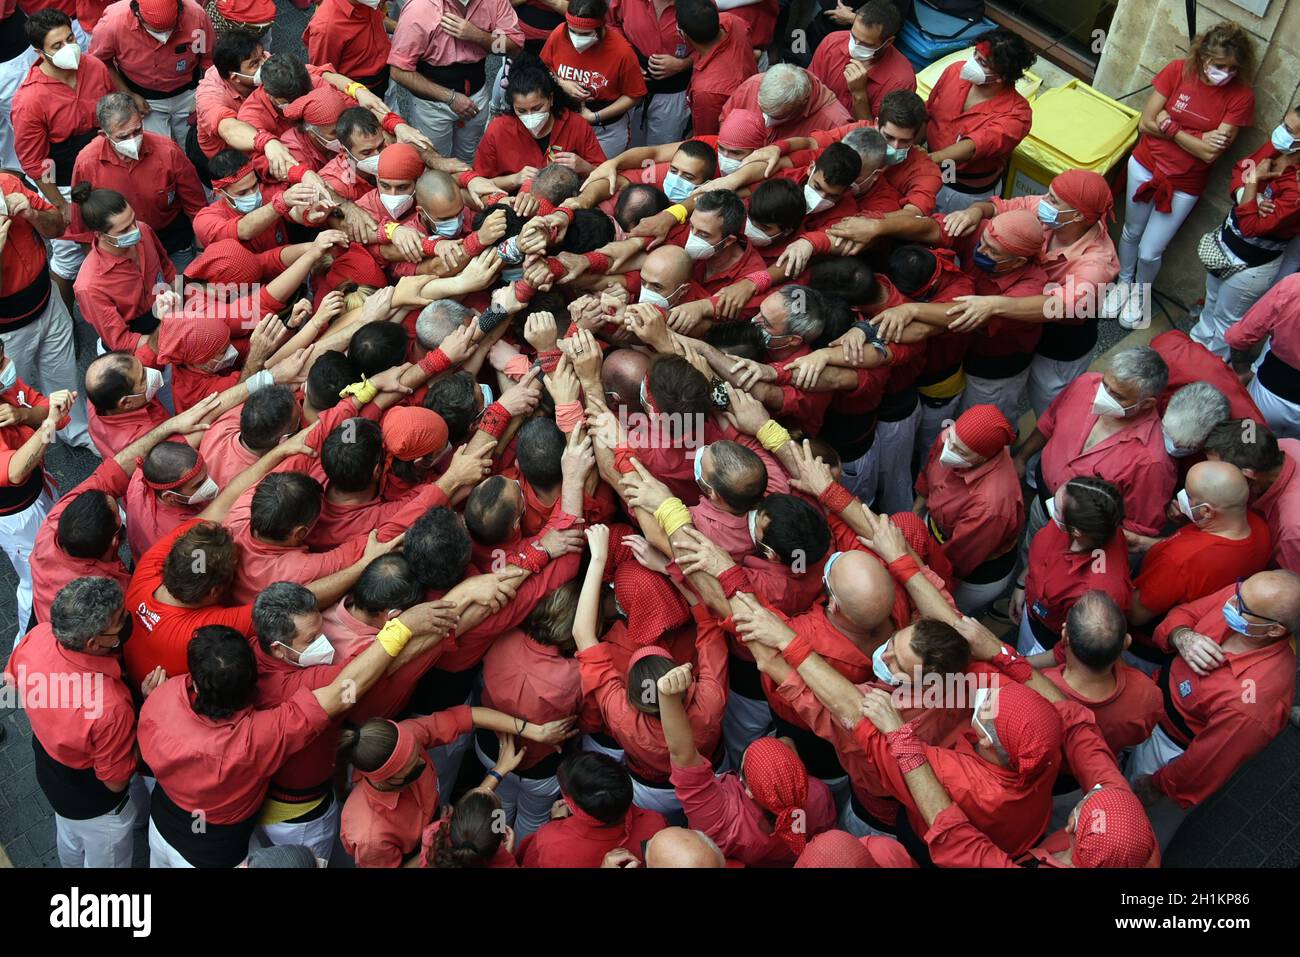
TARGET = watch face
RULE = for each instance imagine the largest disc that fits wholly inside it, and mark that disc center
(681, 50)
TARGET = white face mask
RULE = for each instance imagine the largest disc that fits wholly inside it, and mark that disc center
(226, 360)
(68, 57)
(698, 248)
(319, 652)
(581, 42)
(162, 36)
(756, 235)
(129, 149)
(257, 76)
(951, 457)
(8, 375)
(1185, 505)
(153, 381)
(397, 204)
(1174, 450)
(4, 206)
(972, 72)
(1051, 513)
(333, 145)
(770, 121)
(1217, 76)
(534, 122)
(658, 299)
(372, 4)
(727, 164)
(860, 51)
(813, 201)
(369, 165)
(204, 493)
(1106, 404)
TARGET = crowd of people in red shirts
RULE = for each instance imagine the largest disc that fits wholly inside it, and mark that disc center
(620, 459)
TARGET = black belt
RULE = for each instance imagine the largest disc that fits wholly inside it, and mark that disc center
(467, 78)
(76, 794)
(196, 156)
(851, 435)
(1042, 634)
(438, 690)
(1278, 377)
(1066, 343)
(24, 306)
(1171, 710)
(218, 845)
(178, 234)
(866, 817)
(18, 498)
(376, 83)
(897, 406)
(545, 768)
(971, 189)
(993, 569)
(150, 94)
(1245, 250)
(997, 367)
(64, 154)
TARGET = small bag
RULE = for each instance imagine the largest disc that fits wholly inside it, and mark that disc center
(1216, 261)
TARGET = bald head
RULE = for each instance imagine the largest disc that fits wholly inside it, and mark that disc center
(863, 589)
(622, 373)
(438, 194)
(1220, 484)
(1274, 595)
(666, 268)
(682, 847)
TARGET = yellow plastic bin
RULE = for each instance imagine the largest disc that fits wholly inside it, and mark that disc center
(1028, 85)
(1075, 127)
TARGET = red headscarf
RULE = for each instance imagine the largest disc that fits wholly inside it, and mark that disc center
(984, 429)
(320, 107)
(400, 161)
(1113, 831)
(226, 260)
(779, 782)
(742, 130)
(1018, 231)
(835, 849)
(1086, 191)
(412, 432)
(160, 14)
(1029, 730)
(191, 342)
(652, 604)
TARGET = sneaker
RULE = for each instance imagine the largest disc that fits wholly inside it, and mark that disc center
(1116, 297)
(1136, 313)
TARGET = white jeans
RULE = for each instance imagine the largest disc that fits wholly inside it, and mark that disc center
(1049, 377)
(1026, 642)
(18, 538)
(614, 137)
(1148, 758)
(451, 136)
(1227, 300)
(162, 854)
(1006, 394)
(861, 476)
(894, 444)
(972, 598)
(171, 116)
(526, 801)
(104, 841)
(318, 834)
(66, 256)
(1147, 233)
(666, 122)
(949, 200)
(1282, 416)
(46, 358)
(11, 77)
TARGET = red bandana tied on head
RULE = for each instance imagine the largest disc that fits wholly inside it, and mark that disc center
(402, 752)
(226, 260)
(984, 429)
(400, 161)
(160, 14)
(945, 261)
(1018, 231)
(191, 342)
(199, 466)
(779, 782)
(836, 849)
(1086, 191)
(1029, 730)
(411, 432)
(225, 182)
(1113, 830)
(320, 107)
(652, 604)
(584, 23)
(742, 130)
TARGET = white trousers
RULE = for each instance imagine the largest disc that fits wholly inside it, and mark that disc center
(1148, 758)
(1227, 300)
(614, 137)
(526, 801)
(104, 841)
(934, 419)
(319, 834)
(895, 442)
(591, 744)
(451, 136)
(162, 854)
(171, 116)
(1049, 377)
(11, 77)
(663, 800)
(1282, 416)
(1147, 233)
(973, 598)
(67, 256)
(949, 200)
(46, 358)
(861, 476)
(1026, 642)
(18, 538)
(665, 122)
(1007, 394)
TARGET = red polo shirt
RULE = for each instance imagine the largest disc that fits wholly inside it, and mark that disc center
(533, 681)
(247, 11)
(349, 35)
(383, 828)
(508, 147)
(648, 32)
(341, 521)
(92, 730)
(259, 112)
(979, 512)
(214, 100)
(148, 517)
(1057, 577)
(222, 766)
(22, 260)
(609, 69)
(163, 630)
(581, 840)
(822, 111)
(219, 220)
(47, 112)
(341, 176)
(719, 72)
(1128, 715)
(889, 71)
(225, 454)
(835, 648)
(1192, 563)
(1134, 458)
(996, 126)
(1230, 727)
(159, 185)
(112, 291)
(112, 433)
(146, 64)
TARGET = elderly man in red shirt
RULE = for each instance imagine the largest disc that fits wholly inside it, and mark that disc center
(157, 51)
(83, 741)
(862, 64)
(1270, 467)
(439, 54)
(1238, 637)
(1276, 383)
(969, 493)
(792, 101)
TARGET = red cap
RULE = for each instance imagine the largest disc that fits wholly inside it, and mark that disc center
(226, 260)
(984, 430)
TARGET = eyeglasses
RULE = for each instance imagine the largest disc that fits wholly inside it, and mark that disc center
(1241, 607)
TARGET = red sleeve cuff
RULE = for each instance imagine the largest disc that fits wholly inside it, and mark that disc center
(473, 245)
(598, 262)
(532, 559)
(495, 420)
(902, 569)
(908, 750)
(623, 457)
(761, 279)
(837, 498)
(296, 173)
(391, 122)
(462, 179)
(735, 579)
(260, 141)
(797, 652)
(435, 363)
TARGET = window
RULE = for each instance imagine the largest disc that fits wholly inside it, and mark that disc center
(1067, 32)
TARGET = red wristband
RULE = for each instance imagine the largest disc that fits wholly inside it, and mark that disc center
(556, 267)
(1012, 665)
(761, 280)
(280, 206)
(391, 122)
(903, 569)
(837, 498)
(524, 291)
(473, 245)
(783, 146)
(533, 559)
(623, 458)
(260, 141)
(783, 375)
(797, 652)
(734, 579)
(495, 420)
(429, 246)
(598, 262)
(296, 173)
(435, 363)
(462, 179)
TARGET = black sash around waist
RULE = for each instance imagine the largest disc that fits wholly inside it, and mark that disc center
(993, 569)
(545, 768)
(997, 367)
(12, 38)
(75, 794)
(1066, 343)
(467, 78)
(1044, 635)
(218, 845)
(850, 434)
(897, 406)
(818, 754)
(971, 189)
(25, 306)
(17, 498)
(144, 324)
(1175, 716)
(178, 234)
(438, 690)
(1280, 378)
(152, 94)
(63, 155)
(1249, 252)
(743, 678)
(376, 83)
(671, 84)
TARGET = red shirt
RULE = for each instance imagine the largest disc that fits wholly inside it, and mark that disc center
(1057, 577)
(311, 768)
(1192, 563)
(1271, 319)
(822, 111)
(93, 729)
(1231, 727)
(609, 69)
(349, 35)
(339, 522)
(980, 512)
(383, 828)
(719, 72)
(836, 648)
(1198, 107)
(581, 840)
(917, 179)
(148, 517)
(1280, 506)
(508, 147)
(214, 100)
(996, 126)
(219, 220)
(261, 113)
(341, 176)
(1128, 715)
(121, 41)
(1134, 458)
(112, 433)
(13, 437)
(648, 32)
(889, 71)
(247, 11)
(1189, 361)
(158, 185)
(225, 454)
(640, 734)
(112, 291)
(718, 805)
(760, 20)
(533, 681)
(162, 630)
(23, 258)
(52, 567)
(47, 111)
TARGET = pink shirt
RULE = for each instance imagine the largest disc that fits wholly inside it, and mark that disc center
(121, 40)
(420, 37)
(532, 681)
(112, 433)
(214, 100)
(1273, 317)
(1280, 506)
(225, 454)
(148, 517)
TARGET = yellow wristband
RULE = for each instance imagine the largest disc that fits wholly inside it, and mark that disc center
(393, 636)
(390, 228)
(672, 515)
(362, 391)
(678, 212)
(773, 435)
(351, 89)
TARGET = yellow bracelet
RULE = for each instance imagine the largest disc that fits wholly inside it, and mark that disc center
(393, 637)
(351, 89)
(362, 391)
(671, 515)
(678, 212)
(390, 228)
(773, 435)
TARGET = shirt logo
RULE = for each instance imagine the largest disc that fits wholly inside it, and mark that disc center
(1184, 688)
(181, 65)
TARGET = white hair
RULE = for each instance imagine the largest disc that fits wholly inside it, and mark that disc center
(783, 87)
(1193, 411)
(1142, 366)
(438, 320)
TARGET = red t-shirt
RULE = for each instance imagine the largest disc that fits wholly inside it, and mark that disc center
(609, 69)
(1192, 563)
(508, 147)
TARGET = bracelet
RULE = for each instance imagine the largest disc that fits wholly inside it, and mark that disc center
(494, 773)
(391, 122)
(259, 381)
(773, 435)
(678, 212)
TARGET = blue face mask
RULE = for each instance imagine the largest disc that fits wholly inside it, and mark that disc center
(246, 204)
(1237, 621)
(127, 239)
(984, 261)
(1283, 140)
(676, 188)
(488, 398)
(894, 155)
(1174, 450)
(881, 669)
(512, 275)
